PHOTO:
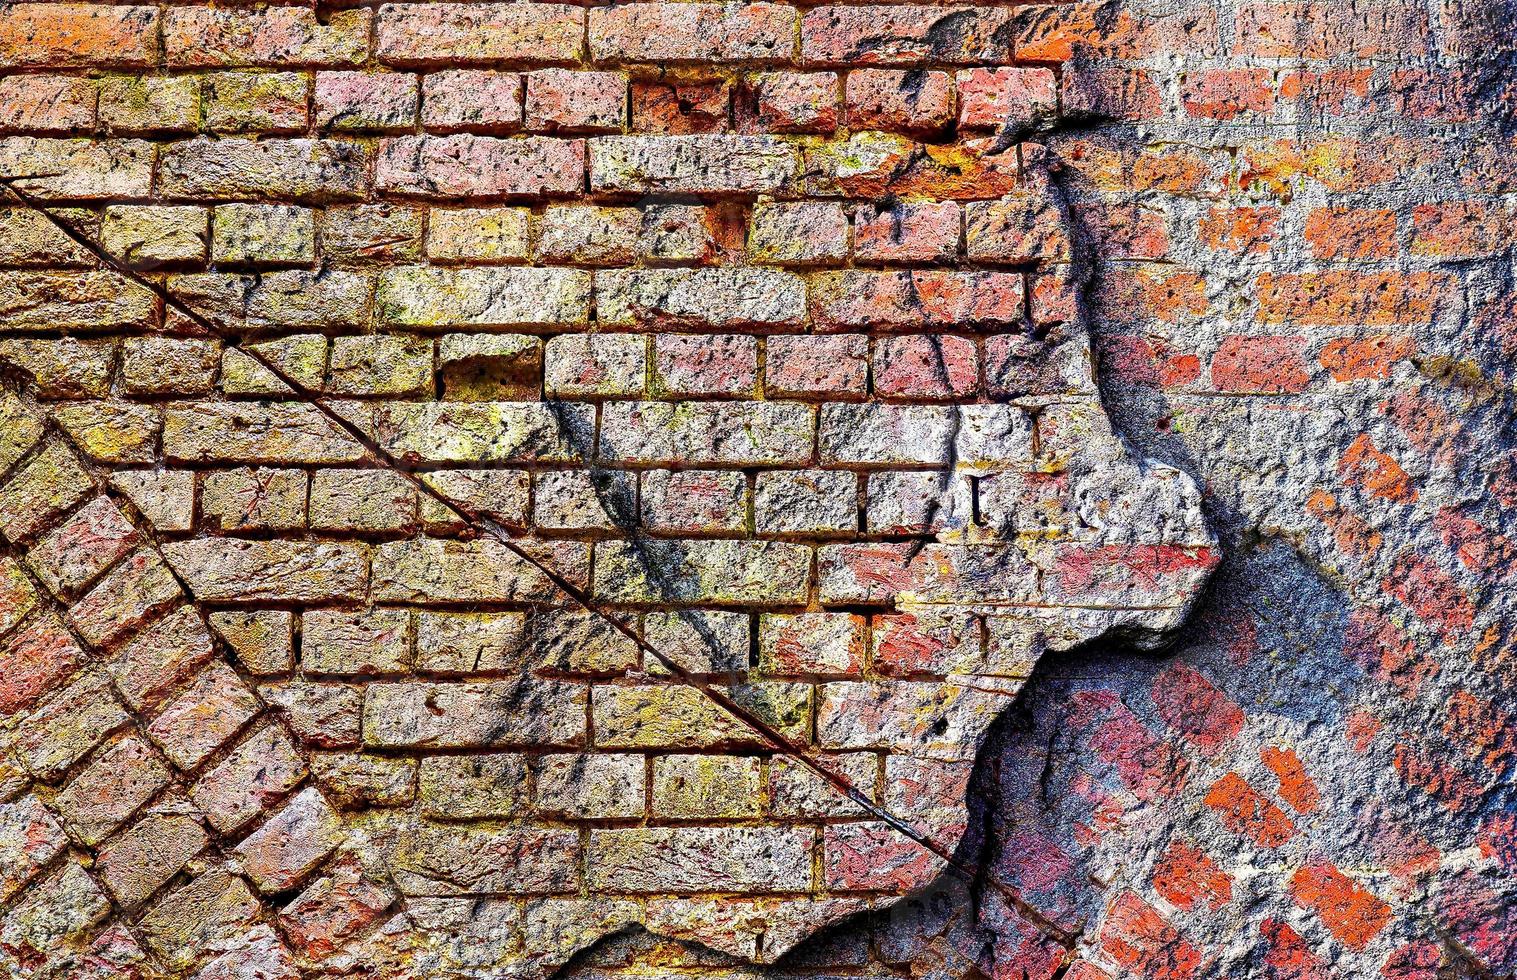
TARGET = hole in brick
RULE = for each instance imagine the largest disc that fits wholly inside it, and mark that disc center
(507, 375)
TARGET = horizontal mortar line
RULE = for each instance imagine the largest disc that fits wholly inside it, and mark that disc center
(486, 524)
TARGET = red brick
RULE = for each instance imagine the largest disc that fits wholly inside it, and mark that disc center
(464, 165)
(925, 368)
(1149, 766)
(796, 102)
(911, 299)
(353, 100)
(926, 643)
(907, 233)
(916, 102)
(337, 906)
(1414, 961)
(1263, 365)
(1055, 296)
(1193, 706)
(831, 367)
(704, 365)
(681, 108)
(1288, 956)
(276, 36)
(1150, 362)
(1136, 936)
(34, 660)
(1306, 30)
(576, 100)
(694, 32)
(904, 35)
(1125, 574)
(1126, 231)
(1226, 94)
(481, 101)
(874, 856)
(876, 166)
(47, 103)
(1431, 593)
(1430, 771)
(1352, 534)
(1449, 94)
(1481, 550)
(990, 98)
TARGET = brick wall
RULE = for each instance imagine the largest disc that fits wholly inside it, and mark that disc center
(481, 476)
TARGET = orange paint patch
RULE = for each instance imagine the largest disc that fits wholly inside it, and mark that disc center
(1246, 812)
(1187, 876)
(1352, 534)
(1350, 913)
(1365, 466)
(1296, 787)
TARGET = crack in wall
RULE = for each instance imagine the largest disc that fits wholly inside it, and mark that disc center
(482, 522)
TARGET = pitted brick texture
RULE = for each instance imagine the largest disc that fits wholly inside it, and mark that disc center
(766, 328)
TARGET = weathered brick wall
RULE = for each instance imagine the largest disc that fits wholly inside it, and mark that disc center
(474, 472)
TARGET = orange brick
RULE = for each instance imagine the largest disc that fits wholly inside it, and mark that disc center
(1250, 230)
(1296, 787)
(1187, 875)
(1339, 299)
(1464, 229)
(77, 35)
(1337, 92)
(1365, 358)
(1058, 32)
(1351, 233)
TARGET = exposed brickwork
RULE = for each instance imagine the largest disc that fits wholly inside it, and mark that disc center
(475, 477)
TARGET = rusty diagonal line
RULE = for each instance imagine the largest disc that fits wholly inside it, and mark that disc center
(482, 522)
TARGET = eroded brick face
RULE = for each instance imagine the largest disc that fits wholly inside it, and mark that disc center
(468, 471)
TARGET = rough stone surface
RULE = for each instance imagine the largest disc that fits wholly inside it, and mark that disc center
(494, 488)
